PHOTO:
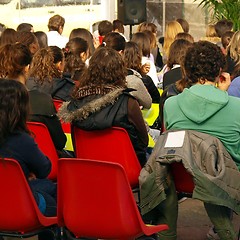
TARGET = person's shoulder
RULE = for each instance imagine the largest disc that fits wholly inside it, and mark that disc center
(39, 94)
(22, 138)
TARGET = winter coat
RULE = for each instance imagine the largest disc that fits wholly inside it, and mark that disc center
(215, 174)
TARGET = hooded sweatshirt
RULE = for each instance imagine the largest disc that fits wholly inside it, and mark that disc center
(207, 109)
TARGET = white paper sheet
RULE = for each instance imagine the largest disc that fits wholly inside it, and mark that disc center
(175, 139)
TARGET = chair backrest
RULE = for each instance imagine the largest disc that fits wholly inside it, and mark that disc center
(65, 126)
(111, 145)
(57, 103)
(18, 208)
(95, 200)
(44, 141)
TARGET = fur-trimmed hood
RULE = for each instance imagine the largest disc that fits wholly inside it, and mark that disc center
(81, 109)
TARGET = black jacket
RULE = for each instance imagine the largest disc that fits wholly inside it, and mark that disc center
(104, 111)
(58, 88)
(43, 110)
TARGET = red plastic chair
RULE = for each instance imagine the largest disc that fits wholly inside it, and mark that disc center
(183, 180)
(65, 126)
(20, 215)
(44, 141)
(95, 200)
(111, 145)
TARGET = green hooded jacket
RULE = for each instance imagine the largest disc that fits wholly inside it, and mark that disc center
(207, 109)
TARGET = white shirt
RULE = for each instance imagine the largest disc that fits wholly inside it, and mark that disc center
(55, 39)
(153, 71)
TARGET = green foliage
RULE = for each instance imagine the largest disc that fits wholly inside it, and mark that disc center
(220, 9)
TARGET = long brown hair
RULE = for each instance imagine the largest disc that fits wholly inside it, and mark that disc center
(106, 67)
(14, 108)
(13, 60)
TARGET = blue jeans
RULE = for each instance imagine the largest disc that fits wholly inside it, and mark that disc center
(45, 190)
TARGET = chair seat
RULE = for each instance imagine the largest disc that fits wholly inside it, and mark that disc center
(20, 215)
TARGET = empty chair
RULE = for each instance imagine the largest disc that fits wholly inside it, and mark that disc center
(95, 200)
(20, 215)
(111, 145)
(44, 141)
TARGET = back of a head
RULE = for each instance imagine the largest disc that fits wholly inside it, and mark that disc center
(42, 39)
(185, 36)
(143, 42)
(132, 56)
(105, 27)
(211, 31)
(118, 26)
(55, 22)
(152, 38)
(147, 26)
(172, 29)
(203, 61)
(84, 34)
(184, 24)
(222, 26)
(233, 48)
(28, 39)
(115, 41)
(177, 52)
(226, 38)
(14, 59)
(106, 67)
(14, 107)
(73, 61)
(9, 35)
(77, 46)
(43, 66)
(25, 27)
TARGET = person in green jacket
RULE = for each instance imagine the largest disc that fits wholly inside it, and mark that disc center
(206, 107)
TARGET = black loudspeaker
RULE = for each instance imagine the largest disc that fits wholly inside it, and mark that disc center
(132, 12)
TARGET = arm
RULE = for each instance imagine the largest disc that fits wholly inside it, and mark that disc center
(141, 93)
(135, 117)
(152, 89)
(35, 160)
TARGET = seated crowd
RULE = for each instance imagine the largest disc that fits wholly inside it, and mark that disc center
(105, 80)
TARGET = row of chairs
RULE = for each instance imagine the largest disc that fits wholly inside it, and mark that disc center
(94, 201)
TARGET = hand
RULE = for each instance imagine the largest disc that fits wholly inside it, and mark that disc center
(224, 81)
(31, 176)
(146, 67)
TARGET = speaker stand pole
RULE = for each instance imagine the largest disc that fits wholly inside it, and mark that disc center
(130, 32)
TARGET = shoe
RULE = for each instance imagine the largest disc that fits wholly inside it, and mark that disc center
(182, 199)
(212, 235)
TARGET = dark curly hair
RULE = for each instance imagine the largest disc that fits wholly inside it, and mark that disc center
(203, 61)
(14, 108)
(106, 67)
(73, 60)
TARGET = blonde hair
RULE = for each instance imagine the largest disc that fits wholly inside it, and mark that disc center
(210, 31)
(172, 29)
(234, 47)
(211, 34)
